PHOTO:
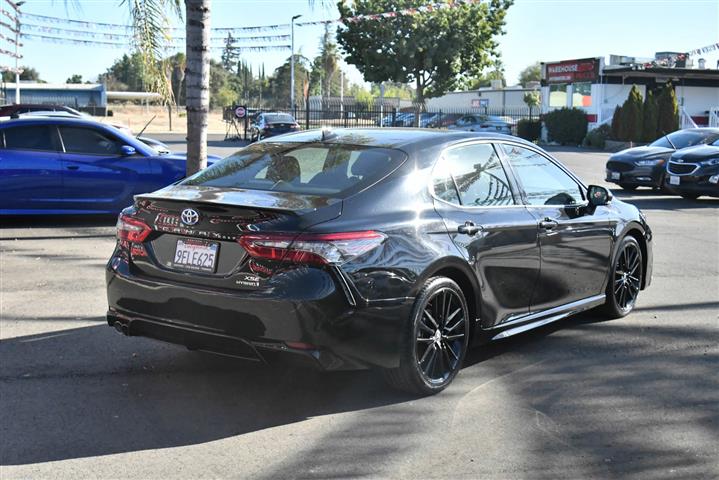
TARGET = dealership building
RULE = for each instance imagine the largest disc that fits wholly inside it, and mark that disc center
(597, 88)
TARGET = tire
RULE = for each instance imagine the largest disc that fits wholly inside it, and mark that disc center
(690, 196)
(628, 188)
(434, 339)
(625, 279)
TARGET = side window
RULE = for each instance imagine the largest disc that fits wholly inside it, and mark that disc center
(88, 141)
(443, 183)
(543, 181)
(479, 176)
(36, 137)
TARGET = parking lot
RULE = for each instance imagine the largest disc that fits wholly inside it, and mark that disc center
(582, 398)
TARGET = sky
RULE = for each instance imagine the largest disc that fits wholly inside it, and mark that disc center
(536, 30)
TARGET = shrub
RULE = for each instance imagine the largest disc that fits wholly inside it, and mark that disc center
(596, 138)
(529, 129)
(617, 123)
(668, 111)
(649, 124)
(631, 125)
(566, 125)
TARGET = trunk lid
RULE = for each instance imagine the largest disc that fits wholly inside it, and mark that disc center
(195, 231)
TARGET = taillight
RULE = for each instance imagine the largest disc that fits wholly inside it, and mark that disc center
(132, 229)
(311, 248)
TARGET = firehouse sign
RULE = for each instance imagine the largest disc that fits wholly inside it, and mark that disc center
(585, 70)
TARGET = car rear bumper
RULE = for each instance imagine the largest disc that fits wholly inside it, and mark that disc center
(314, 324)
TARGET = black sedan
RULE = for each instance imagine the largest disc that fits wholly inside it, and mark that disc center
(267, 124)
(393, 249)
(645, 166)
(694, 171)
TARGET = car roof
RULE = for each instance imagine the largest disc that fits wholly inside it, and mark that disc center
(52, 119)
(700, 130)
(399, 138)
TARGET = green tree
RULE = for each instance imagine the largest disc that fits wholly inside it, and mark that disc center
(616, 130)
(485, 79)
(230, 55)
(126, 73)
(280, 82)
(651, 118)
(632, 116)
(667, 110)
(532, 100)
(326, 77)
(434, 50)
(393, 90)
(28, 74)
(532, 73)
(76, 78)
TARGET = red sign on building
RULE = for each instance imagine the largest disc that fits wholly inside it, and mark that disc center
(569, 71)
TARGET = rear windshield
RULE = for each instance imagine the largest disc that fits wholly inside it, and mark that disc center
(279, 118)
(333, 170)
(684, 139)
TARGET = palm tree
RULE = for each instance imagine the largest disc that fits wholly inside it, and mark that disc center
(151, 24)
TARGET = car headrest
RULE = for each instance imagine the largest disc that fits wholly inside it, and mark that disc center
(368, 162)
(285, 168)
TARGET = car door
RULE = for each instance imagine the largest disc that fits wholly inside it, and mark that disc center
(495, 233)
(98, 176)
(30, 169)
(575, 243)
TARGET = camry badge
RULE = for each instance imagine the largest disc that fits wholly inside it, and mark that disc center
(189, 216)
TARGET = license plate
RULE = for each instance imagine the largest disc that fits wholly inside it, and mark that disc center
(674, 180)
(196, 255)
(616, 175)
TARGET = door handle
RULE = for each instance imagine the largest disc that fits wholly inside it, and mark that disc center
(469, 228)
(548, 224)
(72, 167)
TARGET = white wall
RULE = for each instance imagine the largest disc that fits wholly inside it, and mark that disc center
(508, 97)
(697, 100)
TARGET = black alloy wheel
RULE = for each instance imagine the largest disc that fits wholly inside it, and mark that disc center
(436, 339)
(626, 278)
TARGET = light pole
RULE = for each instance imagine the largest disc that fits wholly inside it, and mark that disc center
(292, 61)
(17, 53)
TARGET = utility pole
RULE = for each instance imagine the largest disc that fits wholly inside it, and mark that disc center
(17, 5)
(292, 61)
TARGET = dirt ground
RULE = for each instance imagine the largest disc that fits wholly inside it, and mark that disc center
(136, 116)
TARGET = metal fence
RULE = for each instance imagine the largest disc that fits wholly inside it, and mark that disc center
(335, 115)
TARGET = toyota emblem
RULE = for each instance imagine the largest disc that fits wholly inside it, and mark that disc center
(189, 216)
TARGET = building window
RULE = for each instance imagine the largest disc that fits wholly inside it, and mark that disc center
(582, 94)
(558, 95)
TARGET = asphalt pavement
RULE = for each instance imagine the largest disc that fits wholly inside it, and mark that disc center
(582, 398)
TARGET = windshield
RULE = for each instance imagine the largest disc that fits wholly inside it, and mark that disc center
(333, 170)
(683, 139)
(279, 118)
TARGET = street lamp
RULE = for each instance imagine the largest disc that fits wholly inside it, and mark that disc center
(17, 53)
(292, 61)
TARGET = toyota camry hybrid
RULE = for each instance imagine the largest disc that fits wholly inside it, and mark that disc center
(373, 248)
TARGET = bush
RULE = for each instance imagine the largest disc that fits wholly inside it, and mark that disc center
(632, 116)
(596, 138)
(649, 125)
(566, 125)
(529, 129)
(617, 123)
(668, 111)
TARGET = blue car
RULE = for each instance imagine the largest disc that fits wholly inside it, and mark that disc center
(54, 165)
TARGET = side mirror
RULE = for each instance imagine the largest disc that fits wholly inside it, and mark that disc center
(597, 196)
(127, 150)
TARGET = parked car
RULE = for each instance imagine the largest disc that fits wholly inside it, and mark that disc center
(373, 248)
(268, 124)
(694, 171)
(483, 123)
(645, 166)
(64, 112)
(59, 165)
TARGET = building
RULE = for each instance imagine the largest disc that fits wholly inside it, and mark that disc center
(82, 96)
(493, 100)
(597, 88)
